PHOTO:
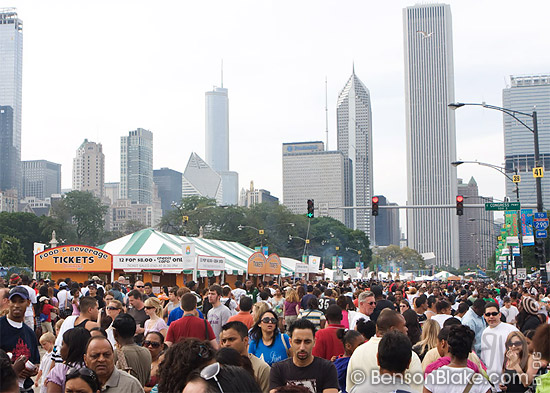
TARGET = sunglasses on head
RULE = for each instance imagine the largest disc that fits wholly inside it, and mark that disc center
(83, 372)
(153, 344)
(269, 320)
(491, 314)
(211, 372)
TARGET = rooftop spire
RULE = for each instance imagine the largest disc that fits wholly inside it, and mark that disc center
(353, 67)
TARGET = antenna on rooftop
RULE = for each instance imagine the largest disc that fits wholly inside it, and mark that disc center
(326, 111)
(222, 73)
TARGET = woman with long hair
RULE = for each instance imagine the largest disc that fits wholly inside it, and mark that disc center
(154, 342)
(428, 339)
(258, 309)
(72, 352)
(266, 341)
(291, 307)
(179, 360)
(520, 367)
(155, 323)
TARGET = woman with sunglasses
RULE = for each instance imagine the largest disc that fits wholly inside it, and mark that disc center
(114, 309)
(82, 380)
(520, 368)
(155, 323)
(404, 306)
(154, 342)
(72, 352)
(101, 318)
(266, 341)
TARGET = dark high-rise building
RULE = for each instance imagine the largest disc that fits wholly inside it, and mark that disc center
(10, 163)
(41, 179)
(386, 224)
(475, 228)
(168, 182)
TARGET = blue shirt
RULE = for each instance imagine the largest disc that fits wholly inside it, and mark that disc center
(341, 365)
(177, 313)
(272, 354)
(477, 324)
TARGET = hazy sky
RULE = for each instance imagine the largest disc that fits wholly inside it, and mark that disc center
(98, 69)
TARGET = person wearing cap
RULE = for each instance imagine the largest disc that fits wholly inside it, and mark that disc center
(19, 339)
(509, 311)
(527, 318)
(93, 292)
(46, 313)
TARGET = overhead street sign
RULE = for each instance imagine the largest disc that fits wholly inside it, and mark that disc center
(541, 225)
(503, 206)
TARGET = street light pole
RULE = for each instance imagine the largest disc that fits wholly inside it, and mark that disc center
(538, 182)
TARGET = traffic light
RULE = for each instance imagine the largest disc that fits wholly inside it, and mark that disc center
(375, 206)
(539, 249)
(459, 205)
(310, 208)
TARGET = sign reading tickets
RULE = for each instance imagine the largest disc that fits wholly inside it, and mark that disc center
(73, 258)
(273, 265)
(155, 262)
(256, 263)
(210, 263)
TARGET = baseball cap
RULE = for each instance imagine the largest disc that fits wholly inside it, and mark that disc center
(19, 291)
(43, 298)
(190, 284)
(63, 284)
(92, 285)
(96, 278)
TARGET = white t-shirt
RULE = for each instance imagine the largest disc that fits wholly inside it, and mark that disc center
(493, 348)
(441, 318)
(510, 313)
(32, 295)
(356, 317)
(67, 324)
(63, 295)
(454, 380)
(237, 293)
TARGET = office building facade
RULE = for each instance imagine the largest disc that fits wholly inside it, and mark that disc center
(310, 172)
(11, 77)
(525, 94)
(136, 166)
(476, 228)
(386, 224)
(89, 168)
(354, 135)
(41, 179)
(431, 138)
(201, 180)
(169, 183)
(254, 196)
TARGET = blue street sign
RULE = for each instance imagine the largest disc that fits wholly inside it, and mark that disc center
(541, 224)
(541, 215)
(541, 234)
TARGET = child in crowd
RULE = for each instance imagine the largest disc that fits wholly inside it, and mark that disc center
(47, 340)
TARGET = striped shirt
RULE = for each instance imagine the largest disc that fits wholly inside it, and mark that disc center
(315, 316)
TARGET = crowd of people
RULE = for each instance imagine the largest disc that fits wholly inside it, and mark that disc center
(291, 336)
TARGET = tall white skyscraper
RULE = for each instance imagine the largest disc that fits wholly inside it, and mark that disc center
(217, 143)
(11, 76)
(431, 139)
(89, 168)
(354, 131)
(136, 166)
(525, 94)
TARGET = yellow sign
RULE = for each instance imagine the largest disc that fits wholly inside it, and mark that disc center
(516, 178)
(273, 265)
(73, 258)
(261, 231)
(185, 218)
(307, 241)
(538, 171)
(256, 263)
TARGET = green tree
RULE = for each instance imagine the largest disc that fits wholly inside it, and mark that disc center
(11, 252)
(26, 228)
(80, 215)
(405, 258)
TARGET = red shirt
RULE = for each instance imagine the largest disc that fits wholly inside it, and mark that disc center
(47, 310)
(189, 326)
(327, 344)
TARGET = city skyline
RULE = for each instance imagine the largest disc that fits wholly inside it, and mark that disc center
(293, 107)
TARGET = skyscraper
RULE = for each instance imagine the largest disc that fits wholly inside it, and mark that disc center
(354, 128)
(41, 179)
(201, 180)
(169, 186)
(11, 70)
(311, 172)
(431, 139)
(136, 166)
(525, 94)
(89, 168)
(217, 143)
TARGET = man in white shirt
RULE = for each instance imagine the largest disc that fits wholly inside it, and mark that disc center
(238, 291)
(29, 312)
(367, 304)
(363, 363)
(510, 312)
(493, 342)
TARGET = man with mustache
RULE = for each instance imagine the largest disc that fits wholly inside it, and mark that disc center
(304, 369)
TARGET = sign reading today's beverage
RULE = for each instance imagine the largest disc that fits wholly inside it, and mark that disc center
(73, 258)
